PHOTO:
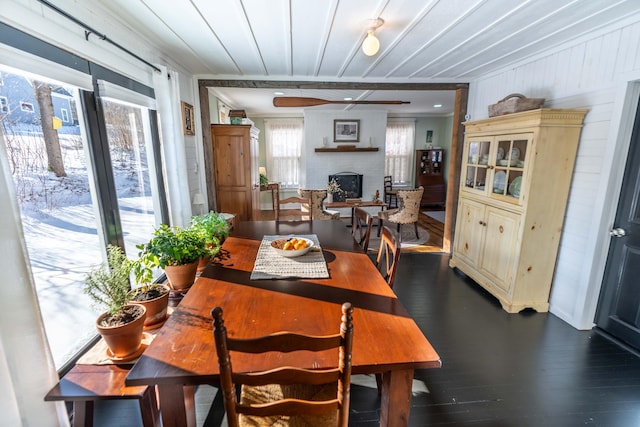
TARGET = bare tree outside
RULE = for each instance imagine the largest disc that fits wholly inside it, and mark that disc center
(51, 141)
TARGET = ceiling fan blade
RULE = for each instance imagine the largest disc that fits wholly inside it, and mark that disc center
(296, 101)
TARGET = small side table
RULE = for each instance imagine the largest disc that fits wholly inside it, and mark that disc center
(274, 187)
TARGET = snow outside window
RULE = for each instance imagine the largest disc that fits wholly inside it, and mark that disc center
(399, 150)
(284, 146)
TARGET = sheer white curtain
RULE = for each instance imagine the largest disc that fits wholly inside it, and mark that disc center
(284, 139)
(167, 91)
(401, 135)
(27, 371)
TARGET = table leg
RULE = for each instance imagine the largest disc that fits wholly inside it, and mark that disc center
(83, 413)
(395, 401)
(177, 405)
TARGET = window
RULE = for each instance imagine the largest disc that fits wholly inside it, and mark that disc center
(399, 150)
(26, 106)
(129, 146)
(4, 105)
(284, 146)
(93, 192)
(65, 114)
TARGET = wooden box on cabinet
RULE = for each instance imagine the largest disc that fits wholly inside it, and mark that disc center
(429, 167)
(237, 181)
(514, 184)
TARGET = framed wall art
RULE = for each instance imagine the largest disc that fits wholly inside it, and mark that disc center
(346, 130)
(187, 119)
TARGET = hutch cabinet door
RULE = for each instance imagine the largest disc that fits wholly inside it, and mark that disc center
(469, 231)
(500, 244)
(512, 154)
(475, 165)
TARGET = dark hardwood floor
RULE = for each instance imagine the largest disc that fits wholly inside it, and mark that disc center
(499, 369)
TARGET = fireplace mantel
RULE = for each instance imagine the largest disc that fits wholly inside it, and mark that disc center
(344, 149)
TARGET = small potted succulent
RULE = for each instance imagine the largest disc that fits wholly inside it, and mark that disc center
(177, 251)
(108, 285)
(214, 229)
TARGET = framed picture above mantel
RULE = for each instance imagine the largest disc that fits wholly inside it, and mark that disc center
(346, 131)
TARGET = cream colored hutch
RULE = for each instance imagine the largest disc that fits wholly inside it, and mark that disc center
(516, 174)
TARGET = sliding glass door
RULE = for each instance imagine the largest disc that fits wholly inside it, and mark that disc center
(81, 182)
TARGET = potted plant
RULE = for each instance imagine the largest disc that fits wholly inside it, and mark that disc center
(155, 298)
(214, 229)
(176, 250)
(121, 326)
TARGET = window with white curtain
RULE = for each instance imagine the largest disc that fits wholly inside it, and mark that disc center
(284, 139)
(399, 150)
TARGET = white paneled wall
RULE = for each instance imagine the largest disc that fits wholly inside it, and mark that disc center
(598, 74)
(318, 166)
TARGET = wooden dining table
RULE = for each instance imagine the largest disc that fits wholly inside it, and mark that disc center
(386, 339)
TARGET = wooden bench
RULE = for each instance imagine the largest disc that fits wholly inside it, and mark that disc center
(84, 384)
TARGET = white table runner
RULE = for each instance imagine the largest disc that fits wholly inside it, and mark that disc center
(270, 265)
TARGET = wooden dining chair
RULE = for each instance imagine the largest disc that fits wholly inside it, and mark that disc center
(388, 255)
(387, 264)
(361, 228)
(289, 214)
(390, 197)
(286, 395)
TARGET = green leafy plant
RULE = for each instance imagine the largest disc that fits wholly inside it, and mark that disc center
(108, 285)
(213, 228)
(264, 181)
(170, 246)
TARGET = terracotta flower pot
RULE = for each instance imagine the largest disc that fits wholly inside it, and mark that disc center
(156, 307)
(123, 341)
(202, 264)
(181, 277)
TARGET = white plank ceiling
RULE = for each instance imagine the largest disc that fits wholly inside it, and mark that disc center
(421, 41)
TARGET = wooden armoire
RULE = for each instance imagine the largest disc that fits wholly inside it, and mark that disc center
(237, 180)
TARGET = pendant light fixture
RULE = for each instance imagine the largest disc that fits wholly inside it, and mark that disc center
(371, 45)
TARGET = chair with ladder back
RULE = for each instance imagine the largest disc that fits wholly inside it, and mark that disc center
(286, 395)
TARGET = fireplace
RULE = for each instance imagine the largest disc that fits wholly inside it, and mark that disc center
(350, 184)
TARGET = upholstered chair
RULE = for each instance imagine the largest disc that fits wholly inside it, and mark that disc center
(317, 210)
(407, 212)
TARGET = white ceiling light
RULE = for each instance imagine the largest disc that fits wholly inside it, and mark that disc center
(371, 45)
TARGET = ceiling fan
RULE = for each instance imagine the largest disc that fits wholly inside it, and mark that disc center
(297, 101)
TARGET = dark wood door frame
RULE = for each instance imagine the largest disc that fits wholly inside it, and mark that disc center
(455, 157)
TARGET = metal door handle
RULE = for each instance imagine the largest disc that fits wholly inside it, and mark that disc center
(618, 232)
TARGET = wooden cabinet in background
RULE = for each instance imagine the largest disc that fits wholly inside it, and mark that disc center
(429, 167)
(235, 157)
(515, 179)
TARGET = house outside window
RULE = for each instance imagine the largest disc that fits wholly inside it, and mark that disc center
(400, 140)
(26, 107)
(284, 138)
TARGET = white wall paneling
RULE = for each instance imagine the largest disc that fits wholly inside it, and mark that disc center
(594, 73)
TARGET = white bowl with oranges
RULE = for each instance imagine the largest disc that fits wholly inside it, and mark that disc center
(291, 247)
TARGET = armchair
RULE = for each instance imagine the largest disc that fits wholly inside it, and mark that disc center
(317, 210)
(407, 212)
